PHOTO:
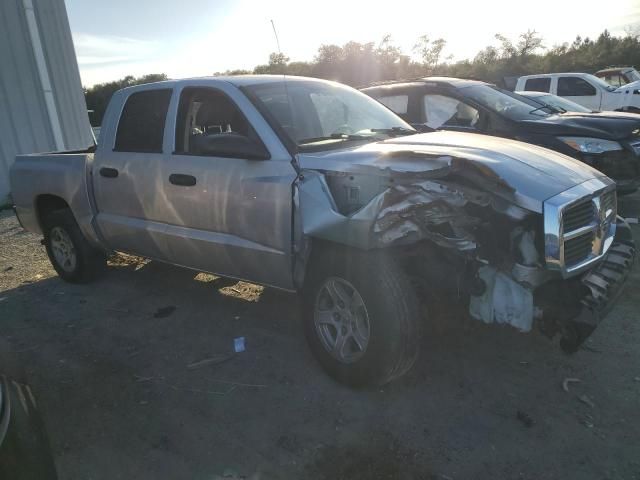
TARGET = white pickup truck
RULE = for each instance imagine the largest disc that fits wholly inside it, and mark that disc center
(310, 186)
(584, 89)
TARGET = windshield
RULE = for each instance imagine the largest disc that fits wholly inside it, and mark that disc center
(312, 111)
(560, 103)
(600, 82)
(506, 103)
(632, 75)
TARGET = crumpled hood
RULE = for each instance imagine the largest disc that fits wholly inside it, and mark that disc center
(523, 174)
(606, 125)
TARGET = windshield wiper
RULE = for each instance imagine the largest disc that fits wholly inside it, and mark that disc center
(540, 108)
(335, 136)
(394, 131)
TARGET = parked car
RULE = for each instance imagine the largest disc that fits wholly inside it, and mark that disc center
(311, 186)
(583, 88)
(612, 145)
(25, 453)
(618, 76)
(555, 103)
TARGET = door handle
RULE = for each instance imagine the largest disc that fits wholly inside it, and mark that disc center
(108, 172)
(182, 180)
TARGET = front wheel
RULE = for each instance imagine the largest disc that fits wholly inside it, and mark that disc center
(361, 317)
(71, 255)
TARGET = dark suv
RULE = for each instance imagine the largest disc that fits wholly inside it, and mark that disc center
(607, 141)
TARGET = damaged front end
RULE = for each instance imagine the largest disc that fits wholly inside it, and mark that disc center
(457, 224)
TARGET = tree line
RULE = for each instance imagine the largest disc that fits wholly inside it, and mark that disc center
(359, 64)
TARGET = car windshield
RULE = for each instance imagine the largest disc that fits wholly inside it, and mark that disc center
(601, 82)
(632, 75)
(560, 103)
(512, 106)
(313, 113)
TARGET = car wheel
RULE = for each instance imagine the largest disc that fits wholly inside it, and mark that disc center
(71, 255)
(361, 317)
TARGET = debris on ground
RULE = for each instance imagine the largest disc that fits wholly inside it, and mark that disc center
(525, 418)
(164, 311)
(8, 269)
(214, 360)
(587, 421)
(586, 400)
(567, 381)
(238, 344)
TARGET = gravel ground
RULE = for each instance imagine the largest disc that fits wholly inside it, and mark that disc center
(117, 369)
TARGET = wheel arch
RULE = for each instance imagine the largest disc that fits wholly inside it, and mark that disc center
(47, 203)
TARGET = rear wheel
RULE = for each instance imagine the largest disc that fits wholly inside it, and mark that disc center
(71, 255)
(361, 317)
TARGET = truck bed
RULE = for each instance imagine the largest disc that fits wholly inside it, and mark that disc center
(61, 174)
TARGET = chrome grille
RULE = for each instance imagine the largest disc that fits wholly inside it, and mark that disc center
(609, 201)
(579, 225)
(578, 248)
(578, 215)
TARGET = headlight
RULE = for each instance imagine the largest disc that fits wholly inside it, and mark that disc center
(591, 145)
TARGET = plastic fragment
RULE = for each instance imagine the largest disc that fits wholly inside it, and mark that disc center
(567, 381)
(238, 344)
(586, 400)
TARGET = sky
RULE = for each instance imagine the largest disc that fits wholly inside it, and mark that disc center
(116, 38)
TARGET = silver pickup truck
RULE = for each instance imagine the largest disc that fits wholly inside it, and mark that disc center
(310, 186)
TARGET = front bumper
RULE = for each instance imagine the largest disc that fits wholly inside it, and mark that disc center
(603, 283)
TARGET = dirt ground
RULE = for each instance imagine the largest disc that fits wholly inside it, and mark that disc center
(117, 369)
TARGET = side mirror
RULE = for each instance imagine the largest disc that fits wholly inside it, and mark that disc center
(228, 145)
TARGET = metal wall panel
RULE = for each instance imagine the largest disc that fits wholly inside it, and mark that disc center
(25, 125)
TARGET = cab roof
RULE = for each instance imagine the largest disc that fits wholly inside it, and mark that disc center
(451, 82)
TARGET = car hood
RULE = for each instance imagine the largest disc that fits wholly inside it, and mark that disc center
(523, 174)
(607, 125)
(629, 86)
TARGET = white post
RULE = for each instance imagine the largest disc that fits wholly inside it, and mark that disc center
(36, 43)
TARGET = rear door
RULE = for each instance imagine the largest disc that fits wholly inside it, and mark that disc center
(127, 173)
(580, 91)
(226, 212)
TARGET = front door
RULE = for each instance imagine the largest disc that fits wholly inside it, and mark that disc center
(227, 212)
(580, 91)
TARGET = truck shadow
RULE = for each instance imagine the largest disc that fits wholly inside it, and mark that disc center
(139, 302)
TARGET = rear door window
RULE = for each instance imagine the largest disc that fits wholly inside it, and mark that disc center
(398, 103)
(538, 84)
(141, 125)
(443, 111)
(575, 87)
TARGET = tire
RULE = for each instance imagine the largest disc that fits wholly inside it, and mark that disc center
(383, 300)
(72, 257)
